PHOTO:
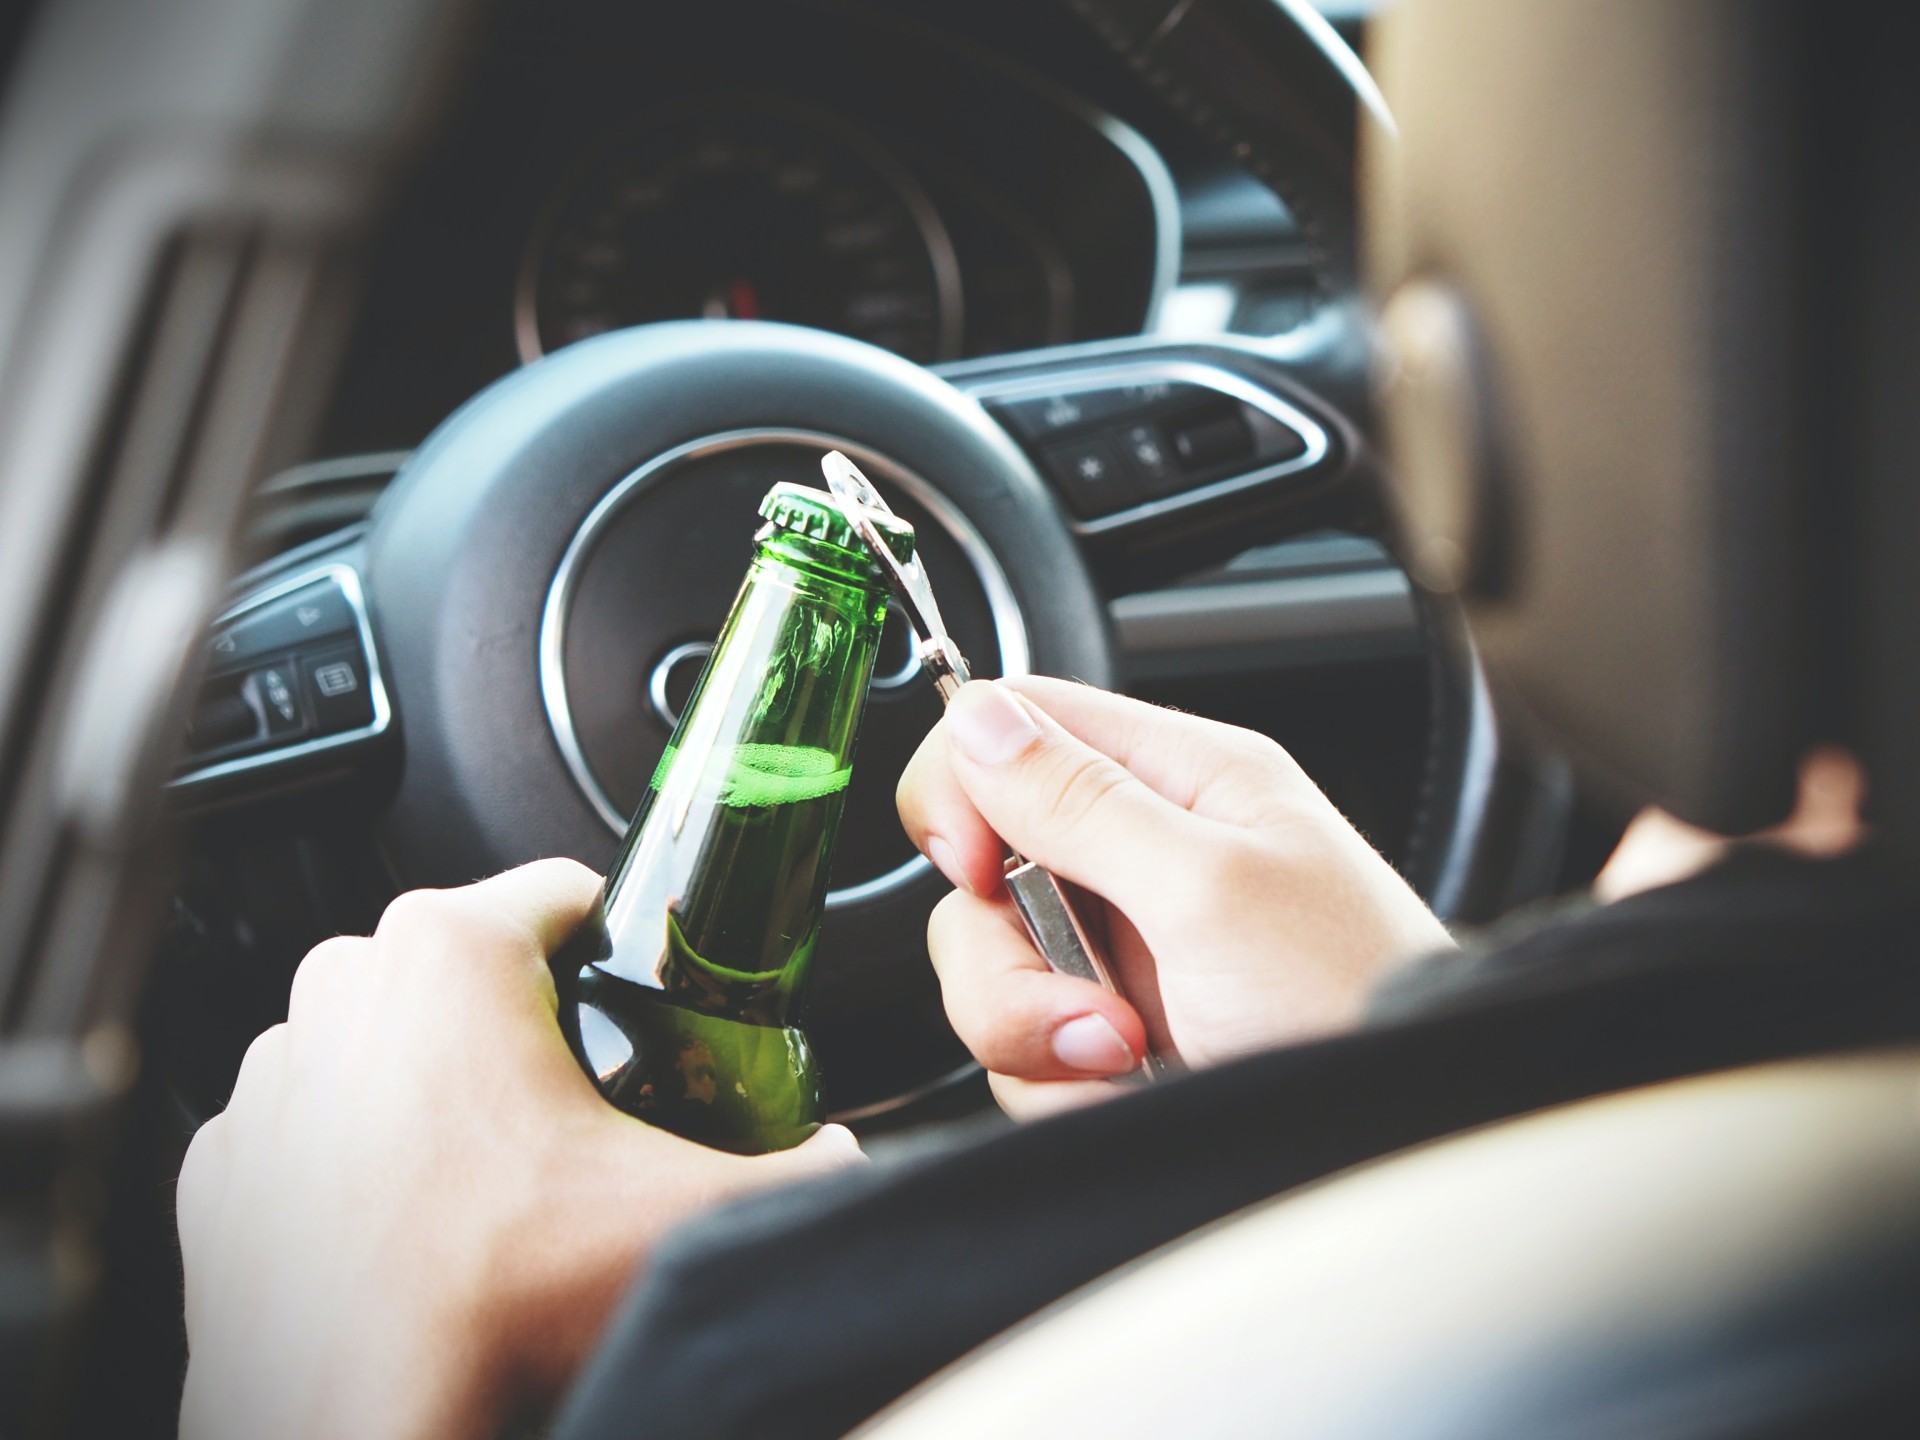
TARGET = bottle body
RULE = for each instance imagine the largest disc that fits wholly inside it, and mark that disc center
(681, 993)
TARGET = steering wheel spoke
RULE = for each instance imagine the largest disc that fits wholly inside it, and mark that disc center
(293, 693)
(1187, 451)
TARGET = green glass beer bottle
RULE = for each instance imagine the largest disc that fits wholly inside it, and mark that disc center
(680, 993)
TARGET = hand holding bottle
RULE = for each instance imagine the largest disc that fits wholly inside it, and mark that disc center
(416, 1210)
(1241, 910)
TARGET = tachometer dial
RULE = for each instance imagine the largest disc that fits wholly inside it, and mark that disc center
(746, 213)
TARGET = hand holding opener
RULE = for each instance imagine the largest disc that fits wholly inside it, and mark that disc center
(1051, 923)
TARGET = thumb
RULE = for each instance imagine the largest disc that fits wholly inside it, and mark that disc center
(1056, 799)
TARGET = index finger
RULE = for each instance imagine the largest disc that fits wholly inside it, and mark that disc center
(1219, 771)
(1224, 772)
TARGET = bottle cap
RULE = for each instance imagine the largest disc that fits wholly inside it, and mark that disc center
(815, 513)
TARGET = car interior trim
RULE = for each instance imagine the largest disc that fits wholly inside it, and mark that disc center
(1343, 58)
(1209, 629)
(956, 1076)
(1479, 762)
(657, 682)
(1009, 625)
(1163, 194)
(348, 579)
(370, 466)
(1288, 347)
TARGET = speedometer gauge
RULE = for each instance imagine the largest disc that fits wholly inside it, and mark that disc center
(743, 213)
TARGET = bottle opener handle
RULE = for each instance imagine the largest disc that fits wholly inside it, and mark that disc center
(1056, 932)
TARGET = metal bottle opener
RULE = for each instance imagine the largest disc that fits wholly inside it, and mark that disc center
(1049, 916)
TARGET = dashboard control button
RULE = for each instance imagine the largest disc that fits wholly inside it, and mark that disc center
(1092, 476)
(337, 688)
(313, 612)
(275, 689)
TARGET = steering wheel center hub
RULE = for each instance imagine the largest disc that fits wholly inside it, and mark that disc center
(651, 573)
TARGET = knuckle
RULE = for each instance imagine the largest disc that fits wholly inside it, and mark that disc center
(1080, 793)
(199, 1171)
(1254, 749)
(322, 967)
(193, 1164)
(434, 926)
(1228, 871)
(415, 912)
(1251, 763)
(1009, 1037)
(562, 882)
(261, 1062)
(566, 870)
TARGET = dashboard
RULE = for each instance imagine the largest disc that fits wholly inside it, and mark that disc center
(946, 181)
(748, 209)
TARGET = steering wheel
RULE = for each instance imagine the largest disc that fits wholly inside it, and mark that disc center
(513, 632)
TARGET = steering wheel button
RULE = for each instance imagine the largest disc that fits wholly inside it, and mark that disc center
(337, 688)
(1047, 417)
(1147, 453)
(274, 691)
(221, 718)
(1213, 442)
(1093, 475)
(312, 612)
(1160, 396)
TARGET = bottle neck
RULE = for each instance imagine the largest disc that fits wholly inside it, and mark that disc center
(820, 559)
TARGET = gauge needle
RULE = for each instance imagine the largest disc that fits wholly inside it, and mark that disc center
(738, 301)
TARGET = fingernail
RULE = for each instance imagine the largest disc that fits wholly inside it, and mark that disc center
(1091, 1044)
(989, 725)
(947, 863)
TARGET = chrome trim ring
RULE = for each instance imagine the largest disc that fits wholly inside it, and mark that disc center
(909, 668)
(1009, 625)
(348, 579)
(663, 672)
(876, 1108)
(1190, 372)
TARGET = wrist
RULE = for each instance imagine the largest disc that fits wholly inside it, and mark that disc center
(563, 1251)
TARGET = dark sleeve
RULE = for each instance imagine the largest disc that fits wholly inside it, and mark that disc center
(801, 1314)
